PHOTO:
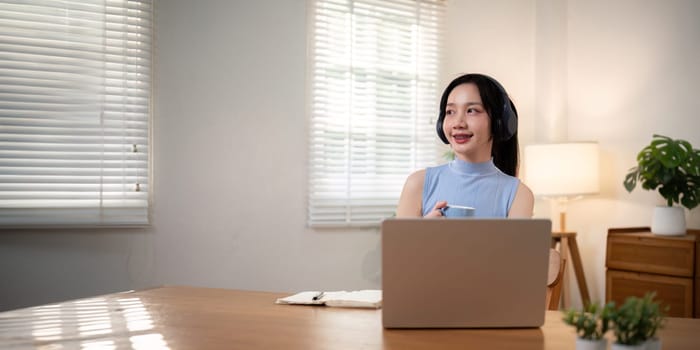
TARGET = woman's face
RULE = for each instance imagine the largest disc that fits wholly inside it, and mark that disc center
(467, 125)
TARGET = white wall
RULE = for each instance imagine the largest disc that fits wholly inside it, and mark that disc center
(495, 38)
(230, 130)
(230, 156)
(632, 72)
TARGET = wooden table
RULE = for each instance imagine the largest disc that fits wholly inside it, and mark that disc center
(202, 318)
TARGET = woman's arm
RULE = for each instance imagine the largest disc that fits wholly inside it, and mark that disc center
(523, 203)
(411, 201)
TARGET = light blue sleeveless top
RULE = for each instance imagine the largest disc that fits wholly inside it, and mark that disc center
(478, 185)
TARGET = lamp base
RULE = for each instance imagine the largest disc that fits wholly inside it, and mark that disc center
(562, 221)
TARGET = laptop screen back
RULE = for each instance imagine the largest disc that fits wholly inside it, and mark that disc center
(464, 273)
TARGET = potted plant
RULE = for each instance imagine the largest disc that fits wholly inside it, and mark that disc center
(635, 324)
(653, 319)
(591, 325)
(627, 324)
(673, 168)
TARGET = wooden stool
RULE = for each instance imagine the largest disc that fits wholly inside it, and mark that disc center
(569, 247)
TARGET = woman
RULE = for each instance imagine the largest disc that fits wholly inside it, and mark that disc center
(479, 122)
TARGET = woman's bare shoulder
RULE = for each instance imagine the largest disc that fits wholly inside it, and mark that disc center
(525, 191)
(524, 202)
(418, 175)
(416, 180)
(412, 195)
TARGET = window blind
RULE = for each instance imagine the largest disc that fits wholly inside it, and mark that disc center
(374, 98)
(75, 92)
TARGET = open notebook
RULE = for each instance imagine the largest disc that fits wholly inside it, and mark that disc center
(362, 298)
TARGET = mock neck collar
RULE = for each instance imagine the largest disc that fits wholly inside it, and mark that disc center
(469, 168)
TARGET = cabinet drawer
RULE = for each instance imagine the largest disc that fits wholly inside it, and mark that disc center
(647, 253)
(676, 292)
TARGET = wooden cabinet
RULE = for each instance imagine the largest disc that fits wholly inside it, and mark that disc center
(638, 262)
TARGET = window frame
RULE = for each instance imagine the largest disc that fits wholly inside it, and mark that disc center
(359, 212)
(108, 212)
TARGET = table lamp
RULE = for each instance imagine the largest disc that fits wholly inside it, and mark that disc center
(562, 172)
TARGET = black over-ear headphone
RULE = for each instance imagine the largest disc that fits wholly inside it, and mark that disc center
(504, 122)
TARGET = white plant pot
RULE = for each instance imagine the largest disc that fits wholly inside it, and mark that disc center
(668, 221)
(653, 344)
(585, 344)
(616, 346)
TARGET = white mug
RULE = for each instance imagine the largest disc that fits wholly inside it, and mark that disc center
(457, 211)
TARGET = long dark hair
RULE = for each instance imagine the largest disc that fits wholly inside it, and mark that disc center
(505, 147)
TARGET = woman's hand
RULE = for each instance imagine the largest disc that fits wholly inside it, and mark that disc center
(436, 212)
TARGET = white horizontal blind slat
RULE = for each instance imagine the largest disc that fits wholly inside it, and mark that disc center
(75, 90)
(373, 105)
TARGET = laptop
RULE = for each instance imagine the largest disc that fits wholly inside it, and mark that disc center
(464, 273)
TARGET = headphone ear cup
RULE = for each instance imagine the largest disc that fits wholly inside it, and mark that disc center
(505, 126)
(509, 122)
(498, 131)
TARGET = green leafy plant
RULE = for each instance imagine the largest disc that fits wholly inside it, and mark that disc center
(637, 320)
(653, 316)
(627, 319)
(449, 154)
(672, 166)
(592, 322)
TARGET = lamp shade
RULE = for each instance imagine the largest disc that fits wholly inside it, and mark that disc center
(562, 169)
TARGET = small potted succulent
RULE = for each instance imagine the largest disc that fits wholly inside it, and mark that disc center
(627, 326)
(673, 168)
(591, 324)
(654, 318)
(635, 324)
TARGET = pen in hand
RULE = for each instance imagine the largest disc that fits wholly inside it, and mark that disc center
(318, 296)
